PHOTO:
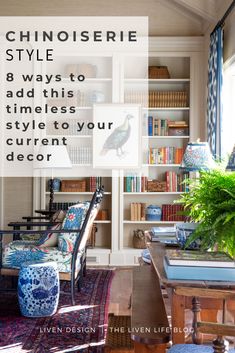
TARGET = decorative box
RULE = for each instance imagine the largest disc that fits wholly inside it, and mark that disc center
(158, 72)
(153, 213)
(156, 186)
(102, 215)
(73, 185)
(178, 131)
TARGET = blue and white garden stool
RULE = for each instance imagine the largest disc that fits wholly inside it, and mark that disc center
(38, 289)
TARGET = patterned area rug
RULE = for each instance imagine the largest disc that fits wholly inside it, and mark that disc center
(80, 328)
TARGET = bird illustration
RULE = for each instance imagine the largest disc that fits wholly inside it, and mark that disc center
(118, 138)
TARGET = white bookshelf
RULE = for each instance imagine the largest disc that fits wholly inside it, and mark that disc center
(183, 57)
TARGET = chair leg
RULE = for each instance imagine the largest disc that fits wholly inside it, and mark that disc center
(84, 268)
(72, 288)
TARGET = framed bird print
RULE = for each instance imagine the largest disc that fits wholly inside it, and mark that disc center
(116, 136)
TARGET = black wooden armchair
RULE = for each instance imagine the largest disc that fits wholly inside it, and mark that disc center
(70, 251)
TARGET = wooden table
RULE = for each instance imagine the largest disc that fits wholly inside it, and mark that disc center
(179, 292)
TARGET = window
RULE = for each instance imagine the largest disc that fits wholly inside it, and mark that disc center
(228, 99)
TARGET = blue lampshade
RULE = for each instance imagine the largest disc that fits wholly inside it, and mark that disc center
(197, 156)
(231, 161)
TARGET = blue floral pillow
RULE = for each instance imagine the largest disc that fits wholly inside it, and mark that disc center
(73, 220)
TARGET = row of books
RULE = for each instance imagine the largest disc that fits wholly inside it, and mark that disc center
(62, 205)
(172, 212)
(72, 129)
(176, 182)
(173, 183)
(165, 155)
(157, 98)
(80, 155)
(199, 265)
(94, 183)
(138, 210)
(135, 183)
(157, 127)
(163, 127)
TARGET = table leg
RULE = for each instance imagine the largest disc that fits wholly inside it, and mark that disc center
(177, 318)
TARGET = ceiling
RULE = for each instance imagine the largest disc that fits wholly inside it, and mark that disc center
(166, 17)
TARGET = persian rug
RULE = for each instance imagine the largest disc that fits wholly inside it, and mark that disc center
(80, 328)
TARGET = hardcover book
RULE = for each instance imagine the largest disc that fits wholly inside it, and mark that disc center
(199, 259)
(199, 273)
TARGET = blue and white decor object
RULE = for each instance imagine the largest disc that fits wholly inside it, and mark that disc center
(214, 101)
(56, 184)
(183, 232)
(145, 254)
(153, 213)
(231, 161)
(197, 156)
(38, 289)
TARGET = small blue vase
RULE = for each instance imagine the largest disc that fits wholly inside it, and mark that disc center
(56, 184)
(38, 289)
(153, 213)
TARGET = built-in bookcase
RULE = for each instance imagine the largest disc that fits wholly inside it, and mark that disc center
(119, 81)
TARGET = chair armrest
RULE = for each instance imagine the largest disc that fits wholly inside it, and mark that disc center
(18, 225)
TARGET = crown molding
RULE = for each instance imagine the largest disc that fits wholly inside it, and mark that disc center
(186, 44)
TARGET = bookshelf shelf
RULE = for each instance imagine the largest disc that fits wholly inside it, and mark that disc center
(166, 137)
(152, 193)
(166, 108)
(75, 193)
(162, 165)
(87, 80)
(150, 222)
(157, 80)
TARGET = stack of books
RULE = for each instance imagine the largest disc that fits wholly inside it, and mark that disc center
(197, 265)
(166, 235)
(165, 155)
(157, 127)
(138, 210)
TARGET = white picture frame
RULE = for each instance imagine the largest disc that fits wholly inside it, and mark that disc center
(117, 136)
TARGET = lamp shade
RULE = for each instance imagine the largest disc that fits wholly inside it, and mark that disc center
(54, 157)
(231, 161)
(197, 156)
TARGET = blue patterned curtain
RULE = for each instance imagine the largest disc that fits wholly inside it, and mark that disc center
(215, 80)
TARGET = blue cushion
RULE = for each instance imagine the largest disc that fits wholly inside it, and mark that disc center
(73, 220)
(193, 348)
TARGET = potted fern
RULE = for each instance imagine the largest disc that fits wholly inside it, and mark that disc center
(210, 202)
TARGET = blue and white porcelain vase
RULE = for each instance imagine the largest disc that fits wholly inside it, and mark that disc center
(153, 213)
(38, 289)
(183, 232)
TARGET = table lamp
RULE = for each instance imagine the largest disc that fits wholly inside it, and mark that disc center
(59, 159)
(231, 161)
(197, 156)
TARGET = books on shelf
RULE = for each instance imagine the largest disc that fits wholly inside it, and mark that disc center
(94, 183)
(175, 182)
(162, 127)
(165, 155)
(135, 183)
(199, 273)
(199, 258)
(172, 213)
(161, 99)
(137, 210)
(80, 155)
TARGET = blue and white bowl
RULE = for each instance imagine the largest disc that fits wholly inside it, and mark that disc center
(183, 232)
